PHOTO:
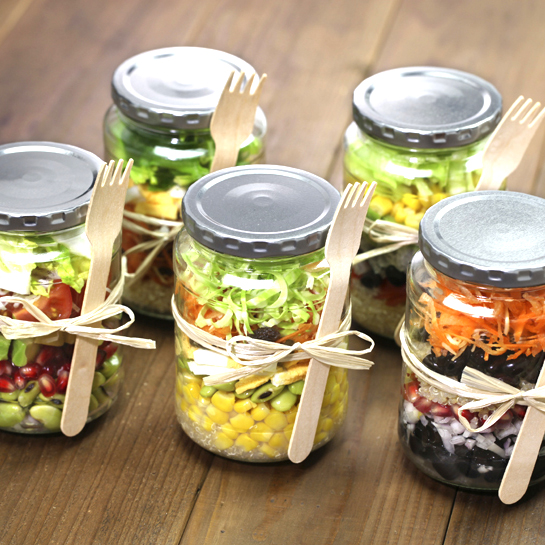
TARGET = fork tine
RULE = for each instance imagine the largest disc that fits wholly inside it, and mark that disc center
(125, 178)
(108, 173)
(117, 174)
(369, 193)
(238, 83)
(537, 120)
(360, 190)
(248, 86)
(522, 108)
(530, 112)
(347, 195)
(229, 81)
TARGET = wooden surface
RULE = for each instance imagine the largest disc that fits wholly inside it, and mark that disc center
(133, 477)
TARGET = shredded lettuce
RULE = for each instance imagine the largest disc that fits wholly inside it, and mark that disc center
(249, 293)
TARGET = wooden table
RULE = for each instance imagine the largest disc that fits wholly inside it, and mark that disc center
(133, 476)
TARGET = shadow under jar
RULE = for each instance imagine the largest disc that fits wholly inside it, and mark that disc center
(251, 262)
(163, 103)
(419, 132)
(476, 295)
(45, 189)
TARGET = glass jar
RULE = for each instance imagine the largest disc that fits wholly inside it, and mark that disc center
(475, 300)
(420, 134)
(45, 190)
(163, 103)
(251, 262)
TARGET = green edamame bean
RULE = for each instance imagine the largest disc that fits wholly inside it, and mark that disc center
(111, 386)
(57, 400)
(10, 414)
(29, 394)
(284, 401)
(93, 403)
(208, 391)
(182, 362)
(226, 386)
(297, 387)
(49, 416)
(266, 393)
(101, 397)
(245, 394)
(111, 365)
(98, 380)
(11, 396)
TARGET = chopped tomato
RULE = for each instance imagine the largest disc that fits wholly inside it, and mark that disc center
(57, 306)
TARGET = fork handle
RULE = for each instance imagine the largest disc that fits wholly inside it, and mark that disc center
(308, 414)
(82, 370)
(225, 156)
(490, 180)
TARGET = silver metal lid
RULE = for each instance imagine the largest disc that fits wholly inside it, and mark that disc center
(45, 186)
(493, 238)
(426, 107)
(174, 87)
(260, 211)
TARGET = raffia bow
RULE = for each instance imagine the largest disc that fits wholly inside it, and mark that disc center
(392, 235)
(80, 325)
(257, 356)
(159, 239)
(482, 390)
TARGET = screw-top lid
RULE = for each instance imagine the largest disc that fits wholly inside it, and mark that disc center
(426, 107)
(260, 211)
(45, 186)
(493, 238)
(174, 87)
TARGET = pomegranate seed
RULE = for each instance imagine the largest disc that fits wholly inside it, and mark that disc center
(7, 385)
(62, 381)
(31, 370)
(423, 405)
(468, 415)
(519, 410)
(101, 358)
(66, 366)
(410, 392)
(48, 369)
(47, 385)
(440, 411)
(20, 381)
(5, 368)
(108, 347)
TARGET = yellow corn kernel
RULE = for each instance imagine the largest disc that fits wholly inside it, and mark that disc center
(184, 405)
(203, 402)
(401, 214)
(339, 373)
(229, 431)
(246, 442)
(276, 420)
(288, 430)
(217, 416)
(335, 393)
(222, 442)
(436, 197)
(320, 437)
(327, 399)
(279, 441)
(414, 220)
(224, 401)
(187, 394)
(242, 422)
(425, 201)
(325, 424)
(381, 205)
(411, 201)
(189, 377)
(260, 412)
(194, 413)
(291, 415)
(244, 405)
(269, 451)
(261, 432)
(330, 382)
(207, 423)
(179, 384)
(338, 411)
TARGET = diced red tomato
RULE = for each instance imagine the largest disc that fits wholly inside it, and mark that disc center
(57, 306)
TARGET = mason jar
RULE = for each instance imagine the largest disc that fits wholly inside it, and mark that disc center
(250, 262)
(475, 302)
(163, 103)
(45, 190)
(419, 132)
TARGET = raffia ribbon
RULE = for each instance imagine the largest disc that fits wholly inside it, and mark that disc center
(483, 391)
(80, 325)
(258, 356)
(159, 239)
(392, 235)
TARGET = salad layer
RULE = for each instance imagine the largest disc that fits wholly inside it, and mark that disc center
(165, 164)
(50, 272)
(409, 181)
(278, 300)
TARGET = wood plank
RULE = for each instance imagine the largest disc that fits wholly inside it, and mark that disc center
(499, 41)
(357, 489)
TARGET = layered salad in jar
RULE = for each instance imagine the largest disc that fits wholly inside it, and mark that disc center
(276, 299)
(498, 331)
(50, 272)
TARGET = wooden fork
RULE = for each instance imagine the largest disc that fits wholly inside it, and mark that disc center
(233, 119)
(102, 226)
(343, 241)
(508, 143)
